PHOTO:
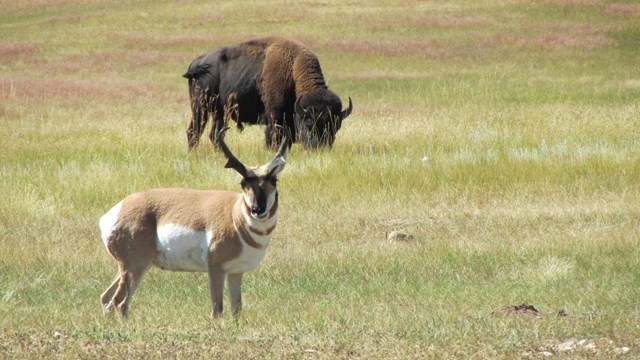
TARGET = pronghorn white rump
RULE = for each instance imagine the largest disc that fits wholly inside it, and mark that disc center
(222, 233)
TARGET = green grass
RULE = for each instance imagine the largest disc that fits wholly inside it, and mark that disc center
(504, 136)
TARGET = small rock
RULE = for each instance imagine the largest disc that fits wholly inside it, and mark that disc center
(587, 345)
(621, 350)
(399, 236)
(568, 345)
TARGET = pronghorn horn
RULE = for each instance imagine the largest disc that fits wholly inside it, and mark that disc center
(232, 161)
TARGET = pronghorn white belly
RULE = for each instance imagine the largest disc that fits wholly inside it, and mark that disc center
(181, 249)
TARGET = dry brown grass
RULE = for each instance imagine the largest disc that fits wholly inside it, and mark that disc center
(16, 7)
(426, 21)
(11, 52)
(573, 3)
(562, 36)
(155, 41)
(14, 88)
(623, 10)
(430, 48)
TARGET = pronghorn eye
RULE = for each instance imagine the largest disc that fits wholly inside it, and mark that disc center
(246, 181)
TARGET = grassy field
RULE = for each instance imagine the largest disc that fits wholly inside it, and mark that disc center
(503, 135)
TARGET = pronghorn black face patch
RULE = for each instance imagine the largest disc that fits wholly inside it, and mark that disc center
(259, 194)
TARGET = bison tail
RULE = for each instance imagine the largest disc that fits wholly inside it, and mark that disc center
(196, 71)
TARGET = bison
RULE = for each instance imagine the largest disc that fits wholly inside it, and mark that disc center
(271, 81)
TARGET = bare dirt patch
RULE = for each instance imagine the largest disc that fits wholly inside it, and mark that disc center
(517, 310)
(526, 310)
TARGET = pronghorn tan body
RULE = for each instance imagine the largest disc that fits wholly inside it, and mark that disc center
(222, 233)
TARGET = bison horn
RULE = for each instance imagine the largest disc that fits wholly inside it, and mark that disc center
(347, 111)
(300, 112)
(232, 161)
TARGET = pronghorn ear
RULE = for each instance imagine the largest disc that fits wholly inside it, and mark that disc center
(276, 166)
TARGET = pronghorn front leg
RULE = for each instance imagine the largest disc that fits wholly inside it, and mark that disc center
(216, 286)
(235, 294)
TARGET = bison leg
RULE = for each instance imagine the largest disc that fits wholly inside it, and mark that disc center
(221, 117)
(272, 137)
(194, 131)
(203, 104)
(273, 133)
(218, 124)
(199, 119)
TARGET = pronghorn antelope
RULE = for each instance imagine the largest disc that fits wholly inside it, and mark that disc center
(220, 232)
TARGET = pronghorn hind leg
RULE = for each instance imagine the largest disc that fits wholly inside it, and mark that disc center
(107, 297)
(127, 283)
(121, 297)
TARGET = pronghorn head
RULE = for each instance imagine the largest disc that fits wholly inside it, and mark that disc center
(259, 182)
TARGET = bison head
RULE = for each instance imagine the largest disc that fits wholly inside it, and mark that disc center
(318, 117)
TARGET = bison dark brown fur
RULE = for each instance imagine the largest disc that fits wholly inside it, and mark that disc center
(271, 81)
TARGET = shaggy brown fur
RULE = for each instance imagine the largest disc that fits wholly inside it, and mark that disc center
(263, 79)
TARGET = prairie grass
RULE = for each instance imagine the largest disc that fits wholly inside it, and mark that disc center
(504, 136)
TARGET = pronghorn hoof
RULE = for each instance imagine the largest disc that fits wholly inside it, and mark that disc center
(108, 308)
